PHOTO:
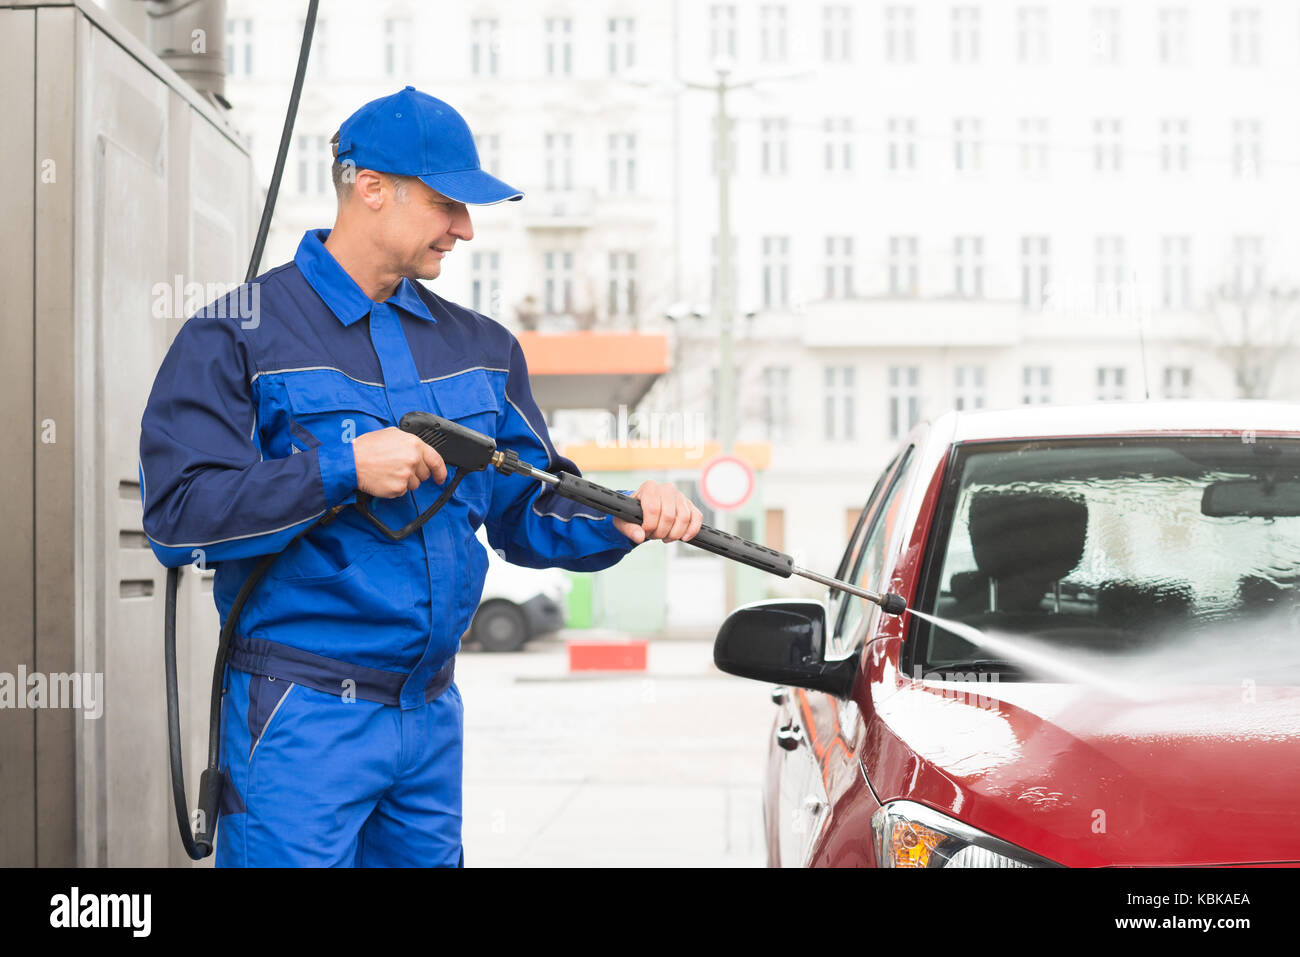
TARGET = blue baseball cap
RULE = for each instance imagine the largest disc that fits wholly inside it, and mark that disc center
(413, 134)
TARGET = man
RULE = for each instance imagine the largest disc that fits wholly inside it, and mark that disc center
(342, 724)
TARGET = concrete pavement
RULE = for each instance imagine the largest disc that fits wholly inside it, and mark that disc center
(661, 768)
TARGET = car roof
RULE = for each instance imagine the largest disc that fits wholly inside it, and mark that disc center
(1118, 418)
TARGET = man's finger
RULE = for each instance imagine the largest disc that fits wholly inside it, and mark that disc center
(697, 520)
(683, 520)
(634, 532)
(649, 508)
(437, 467)
(667, 512)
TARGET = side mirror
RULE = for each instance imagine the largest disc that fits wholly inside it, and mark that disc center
(782, 641)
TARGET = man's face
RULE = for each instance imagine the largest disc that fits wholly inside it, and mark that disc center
(422, 229)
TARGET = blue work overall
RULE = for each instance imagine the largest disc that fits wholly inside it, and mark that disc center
(342, 724)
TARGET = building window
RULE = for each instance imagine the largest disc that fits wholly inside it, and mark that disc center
(1247, 151)
(1033, 144)
(397, 46)
(904, 399)
(1244, 23)
(559, 46)
(318, 64)
(968, 388)
(1036, 382)
(1035, 270)
(837, 33)
(559, 161)
(1105, 35)
(1107, 144)
(967, 149)
(775, 382)
(772, 32)
(484, 45)
(239, 47)
(1247, 267)
(839, 267)
(559, 282)
(903, 280)
(1109, 275)
(1178, 382)
(1176, 272)
(622, 284)
(485, 282)
(1174, 153)
(1110, 383)
(622, 162)
(965, 34)
(1171, 35)
(1031, 34)
(489, 152)
(900, 143)
(622, 44)
(772, 140)
(722, 30)
(839, 402)
(839, 143)
(900, 34)
(776, 271)
(968, 266)
(314, 160)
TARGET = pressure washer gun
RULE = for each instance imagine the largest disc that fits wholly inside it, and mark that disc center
(471, 451)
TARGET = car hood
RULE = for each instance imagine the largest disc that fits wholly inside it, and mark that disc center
(1188, 775)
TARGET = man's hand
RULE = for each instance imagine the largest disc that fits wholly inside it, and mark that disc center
(666, 513)
(391, 462)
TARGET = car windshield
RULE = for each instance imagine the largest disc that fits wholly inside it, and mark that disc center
(1114, 546)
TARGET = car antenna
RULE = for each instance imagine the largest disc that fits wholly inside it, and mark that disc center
(1142, 350)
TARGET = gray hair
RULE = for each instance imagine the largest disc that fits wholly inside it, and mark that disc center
(343, 173)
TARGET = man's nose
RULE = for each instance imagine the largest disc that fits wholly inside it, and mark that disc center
(461, 227)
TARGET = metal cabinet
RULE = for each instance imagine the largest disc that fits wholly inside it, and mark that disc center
(129, 188)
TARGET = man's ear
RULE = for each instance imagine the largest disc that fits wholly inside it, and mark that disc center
(369, 188)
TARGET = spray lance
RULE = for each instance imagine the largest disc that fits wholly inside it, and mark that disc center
(471, 451)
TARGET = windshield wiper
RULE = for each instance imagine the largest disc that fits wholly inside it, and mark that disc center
(974, 664)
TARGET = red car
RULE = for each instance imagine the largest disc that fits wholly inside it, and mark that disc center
(1113, 680)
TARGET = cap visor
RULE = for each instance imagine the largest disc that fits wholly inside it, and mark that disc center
(472, 187)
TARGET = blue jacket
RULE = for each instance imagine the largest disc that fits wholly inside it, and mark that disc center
(245, 442)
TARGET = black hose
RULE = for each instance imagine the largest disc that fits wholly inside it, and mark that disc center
(198, 843)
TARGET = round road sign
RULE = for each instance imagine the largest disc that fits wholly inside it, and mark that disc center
(726, 482)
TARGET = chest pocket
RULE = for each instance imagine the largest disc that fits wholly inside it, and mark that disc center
(469, 400)
(328, 407)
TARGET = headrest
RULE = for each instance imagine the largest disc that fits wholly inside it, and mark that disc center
(1031, 535)
(1143, 603)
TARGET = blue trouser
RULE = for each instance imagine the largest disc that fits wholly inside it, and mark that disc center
(319, 780)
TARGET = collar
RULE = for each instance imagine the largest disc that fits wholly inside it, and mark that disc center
(340, 291)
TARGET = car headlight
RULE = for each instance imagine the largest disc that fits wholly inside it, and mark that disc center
(907, 834)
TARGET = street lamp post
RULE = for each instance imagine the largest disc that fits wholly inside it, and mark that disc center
(724, 296)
